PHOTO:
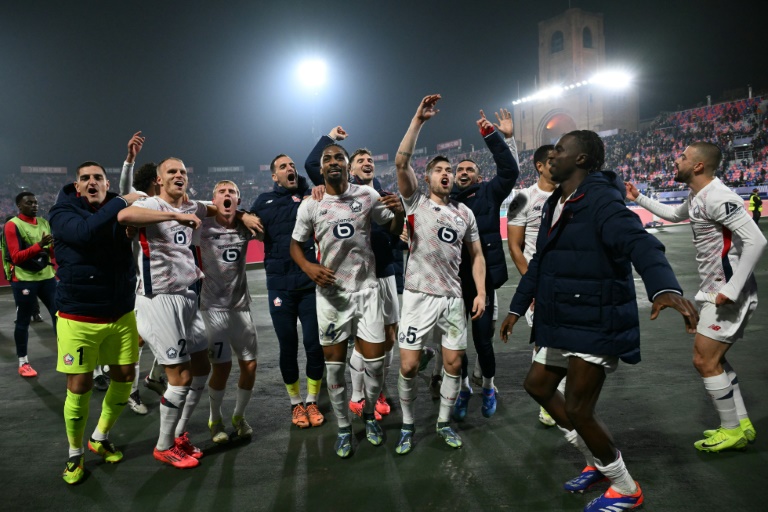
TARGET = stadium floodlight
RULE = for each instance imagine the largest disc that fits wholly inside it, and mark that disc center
(612, 79)
(312, 73)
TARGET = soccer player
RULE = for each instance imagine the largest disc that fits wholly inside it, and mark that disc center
(291, 293)
(225, 305)
(28, 242)
(586, 311)
(95, 299)
(484, 198)
(166, 304)
(144, 185)
(728, 247)
(347, 294)
(523, 221)
(362, 171)
(432, 300)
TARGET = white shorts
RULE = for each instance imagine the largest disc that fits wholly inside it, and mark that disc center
(199, 340)
(230, 332)
(557, 357)
(346, 314)
(390, 307)
(726, 323)
(423, 313)
(165, 322)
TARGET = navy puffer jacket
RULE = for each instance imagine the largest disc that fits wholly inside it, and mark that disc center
(581, 275)
(97, 277)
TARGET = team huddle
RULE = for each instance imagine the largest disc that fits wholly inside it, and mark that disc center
(151, 266)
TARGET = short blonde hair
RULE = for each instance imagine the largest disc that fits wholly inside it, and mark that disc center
(222, 182)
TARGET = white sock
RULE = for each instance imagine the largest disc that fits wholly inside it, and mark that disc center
(76, 452)
(406, 389)
(199, 383)
(337, 391)
(216, 399)
(373, 377)
(388, 356)
(487, 382)
(170, 408)
(449, 391)
(135, 385)
(98, 435)
(25, 360)
(721, 392)
(357, 375)
(243, 397)
(465, 385)
(741, 409)
(156, 372)
(617, 473)
(577, 442)
(97, 371)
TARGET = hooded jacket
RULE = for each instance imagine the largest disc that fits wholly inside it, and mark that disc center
(581, 275)
(97, 277)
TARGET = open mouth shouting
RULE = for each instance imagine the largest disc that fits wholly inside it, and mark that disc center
(445, 182)
(227, 203)
(464, 180)
(291, 179)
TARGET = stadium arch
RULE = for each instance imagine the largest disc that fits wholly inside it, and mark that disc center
(554, 124)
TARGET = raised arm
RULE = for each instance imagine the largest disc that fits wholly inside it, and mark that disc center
(312, 163)
(126, 176)
(406, 177)
(664, 211)
(507, 170)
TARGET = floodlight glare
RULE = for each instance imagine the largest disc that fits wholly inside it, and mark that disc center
(611, 79)
(312, 73)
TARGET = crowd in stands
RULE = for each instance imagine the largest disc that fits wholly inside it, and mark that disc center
(645, 157)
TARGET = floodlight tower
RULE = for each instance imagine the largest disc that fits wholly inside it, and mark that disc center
(575, 91)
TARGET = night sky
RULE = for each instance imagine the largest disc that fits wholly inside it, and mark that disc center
(214, 83)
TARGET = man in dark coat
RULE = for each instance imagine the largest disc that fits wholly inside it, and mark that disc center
(586, 310)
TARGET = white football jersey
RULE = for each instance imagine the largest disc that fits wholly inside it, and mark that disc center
(342, 229)
(165, 262)
(221, 254)
(437, 233)
(525, 210)
(715, 212)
